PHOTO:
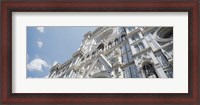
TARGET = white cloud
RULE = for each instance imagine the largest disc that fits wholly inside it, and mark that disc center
(37, 64)
(41, 29)
(40, 44)
(55, 62)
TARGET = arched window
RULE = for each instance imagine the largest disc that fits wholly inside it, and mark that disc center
(109, 45)
(100, 47)
(116, 41)
(149, 70)
(123, 37)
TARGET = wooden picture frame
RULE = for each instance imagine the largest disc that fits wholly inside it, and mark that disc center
(190, 6)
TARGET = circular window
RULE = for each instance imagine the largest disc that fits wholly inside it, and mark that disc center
(164, 34)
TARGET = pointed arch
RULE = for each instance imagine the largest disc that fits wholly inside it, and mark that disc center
(100, 47)
(149, 70)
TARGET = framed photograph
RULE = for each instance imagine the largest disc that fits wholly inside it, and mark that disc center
(100, 52)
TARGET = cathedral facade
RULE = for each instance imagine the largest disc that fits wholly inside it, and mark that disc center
(121, 52)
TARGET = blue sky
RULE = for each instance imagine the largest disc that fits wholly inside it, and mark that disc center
(48, 45)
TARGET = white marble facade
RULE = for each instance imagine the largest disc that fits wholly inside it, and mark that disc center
(121, 52)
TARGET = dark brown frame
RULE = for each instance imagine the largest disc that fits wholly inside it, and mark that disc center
(9, 6)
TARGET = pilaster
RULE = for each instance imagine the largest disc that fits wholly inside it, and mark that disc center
(159, 71)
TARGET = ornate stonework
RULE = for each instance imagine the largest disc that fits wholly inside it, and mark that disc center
(121, 52)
